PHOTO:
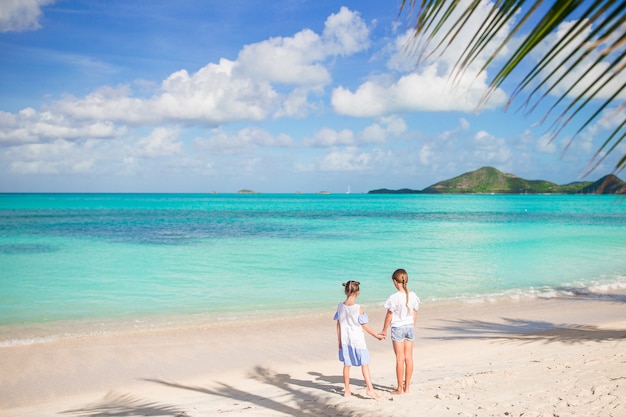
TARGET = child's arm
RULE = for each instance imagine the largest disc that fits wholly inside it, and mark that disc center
(369, 330)
(339, 334)
(387, 323)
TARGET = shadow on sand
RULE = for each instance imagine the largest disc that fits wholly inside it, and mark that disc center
(125, 405)
(526, 331)
(293, 397)
(300, 393)
(534, 331)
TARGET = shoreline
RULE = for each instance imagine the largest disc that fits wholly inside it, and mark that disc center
(524, 356)
(51, 331)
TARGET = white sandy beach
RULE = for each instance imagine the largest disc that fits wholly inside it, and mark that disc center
(540, 357)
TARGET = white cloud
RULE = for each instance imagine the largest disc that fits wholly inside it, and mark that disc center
(30, 126)
(454, 133)
(270, 78)
(296, 104)
(589, 141)
(460, 149)
(298, 60)
(386, 127)
(245, 140)
(432, 87)
(489, 149)
(159, 143)
(295, 60)
(349, 159)
(391, 126)
(493, 148)
(231, 91)
(425, 155)
(329, 137)
(57, 157)
(210, 96)
(374, 134)
(21, 15)
(545, 144)
(345, 33)
(423, 91)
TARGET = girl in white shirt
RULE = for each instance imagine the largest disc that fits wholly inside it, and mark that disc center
(351, 328)
(401, 315)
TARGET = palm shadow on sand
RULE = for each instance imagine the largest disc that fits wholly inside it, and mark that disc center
(525, 331)
(293, 397)
(126, 405)
(533, 331)
(298, 391)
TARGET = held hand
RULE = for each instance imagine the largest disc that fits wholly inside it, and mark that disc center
(380, 336)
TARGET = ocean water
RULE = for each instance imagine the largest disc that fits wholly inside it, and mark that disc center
(152, 259)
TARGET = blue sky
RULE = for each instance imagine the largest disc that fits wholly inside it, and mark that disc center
(281, 96)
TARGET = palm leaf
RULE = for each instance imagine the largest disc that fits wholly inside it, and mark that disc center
(439, 22)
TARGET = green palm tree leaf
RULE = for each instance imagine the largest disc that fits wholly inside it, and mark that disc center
(557, 49)
(576, 54)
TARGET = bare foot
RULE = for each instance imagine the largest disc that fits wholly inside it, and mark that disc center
(373, 394)
(397, 392)
(347, 394)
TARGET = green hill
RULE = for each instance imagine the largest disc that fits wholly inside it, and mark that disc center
(488, 180)
(609, 184)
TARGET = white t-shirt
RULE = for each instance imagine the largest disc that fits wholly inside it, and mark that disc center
(352, 334)
(396, 303)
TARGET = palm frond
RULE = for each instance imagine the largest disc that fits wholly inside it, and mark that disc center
(595, 24)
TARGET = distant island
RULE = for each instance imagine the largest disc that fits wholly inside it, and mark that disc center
(489, 180)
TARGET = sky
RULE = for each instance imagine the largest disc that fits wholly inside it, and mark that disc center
(201, 96)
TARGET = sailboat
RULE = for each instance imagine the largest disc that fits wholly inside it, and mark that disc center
(348, 192)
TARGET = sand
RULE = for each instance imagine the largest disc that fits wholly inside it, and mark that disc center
(533, 357)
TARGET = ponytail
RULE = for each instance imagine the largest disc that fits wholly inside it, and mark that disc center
(402, 277)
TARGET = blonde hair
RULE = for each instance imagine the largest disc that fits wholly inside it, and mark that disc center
(401, 277)
(351, 287)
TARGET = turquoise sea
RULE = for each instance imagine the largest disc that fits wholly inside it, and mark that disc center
(72, 264)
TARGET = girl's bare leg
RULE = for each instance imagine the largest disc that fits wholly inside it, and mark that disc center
(369, 388)
(346, 381)
(408, 362)
(398, 348)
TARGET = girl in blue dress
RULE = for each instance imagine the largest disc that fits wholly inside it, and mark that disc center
(351, 324)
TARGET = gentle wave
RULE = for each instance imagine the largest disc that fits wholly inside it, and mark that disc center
(597, 290)
(53, 332)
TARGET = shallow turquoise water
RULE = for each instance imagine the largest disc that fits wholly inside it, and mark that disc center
(107, 256)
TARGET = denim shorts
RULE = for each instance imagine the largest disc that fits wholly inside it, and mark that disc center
(402, 333)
